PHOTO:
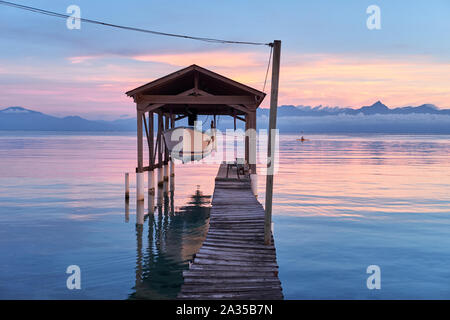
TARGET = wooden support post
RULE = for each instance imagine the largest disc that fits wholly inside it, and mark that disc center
(246, 139)
(127, 211)
(166, 153)
(214, 133)
(151, 166)
(139, 142)
(166, 160)
(172, 164)
(160, 150)
(127, 186)
(140, 156)
(270, 145)
(139, 212)
(252, 142)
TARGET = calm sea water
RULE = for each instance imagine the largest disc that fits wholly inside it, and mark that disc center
(341, 203)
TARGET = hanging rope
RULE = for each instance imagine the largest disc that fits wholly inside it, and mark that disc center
(212, 40)
(268, 67)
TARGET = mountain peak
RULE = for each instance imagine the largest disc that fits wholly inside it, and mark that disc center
(379, 104)
(16, 110)
(377, 107)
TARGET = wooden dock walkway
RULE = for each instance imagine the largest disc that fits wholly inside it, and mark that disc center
(233, 262)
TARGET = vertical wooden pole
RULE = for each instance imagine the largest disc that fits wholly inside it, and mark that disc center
(172, 164)
(246, 140)
(127, 211)
(160, 150)
(151, 165)
(139, 142)
(213, 132)
(127, 186)
(251, 132)
(140, 156)
(139, 212)
(270, 146)
(252, 142)
(166, 153)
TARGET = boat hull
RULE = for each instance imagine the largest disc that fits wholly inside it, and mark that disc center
(187, 143)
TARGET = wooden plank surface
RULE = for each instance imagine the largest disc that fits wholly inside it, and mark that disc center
(233, 262)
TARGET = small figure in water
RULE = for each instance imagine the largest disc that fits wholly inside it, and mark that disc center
(302, 139)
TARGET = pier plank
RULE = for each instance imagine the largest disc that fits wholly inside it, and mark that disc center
(233, 262)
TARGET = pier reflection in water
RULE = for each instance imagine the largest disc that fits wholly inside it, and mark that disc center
(166, 240)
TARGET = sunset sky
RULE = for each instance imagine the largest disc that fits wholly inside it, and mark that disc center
(329, 57)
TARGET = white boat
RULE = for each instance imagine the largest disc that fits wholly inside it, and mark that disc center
(188, 144)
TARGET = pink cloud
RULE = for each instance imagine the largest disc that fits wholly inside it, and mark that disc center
(82, 59)
(226, 59)
(83, 87)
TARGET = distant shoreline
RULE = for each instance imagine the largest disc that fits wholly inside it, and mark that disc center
(132, 133)
(375, 119)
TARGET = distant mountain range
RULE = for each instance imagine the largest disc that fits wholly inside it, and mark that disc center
(377, 108)
(425, 118)
(18, 118)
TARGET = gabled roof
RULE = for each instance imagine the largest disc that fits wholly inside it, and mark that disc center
(207, 80)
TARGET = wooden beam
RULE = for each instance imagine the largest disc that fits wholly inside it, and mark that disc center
(235, 106)
(146, 129)
(231, 82)
(146, 107)
(168, 99)
(196, 81)
(270, 147)
(160, 81)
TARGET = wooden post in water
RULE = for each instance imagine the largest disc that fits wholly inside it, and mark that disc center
(140, 156)
(271, 144)
(159, 143)
(139, 212)
(151, 165)
(127, 211)
(166, 158)
(127, 186)
(160, 150)
(251, 134)
(172, 165)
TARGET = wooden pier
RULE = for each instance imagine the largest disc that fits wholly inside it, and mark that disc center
(234, 262)
(237, 259)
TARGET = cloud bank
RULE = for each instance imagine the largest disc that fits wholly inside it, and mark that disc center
(379, 123)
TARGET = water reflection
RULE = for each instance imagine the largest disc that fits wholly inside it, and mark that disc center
(166, 242)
